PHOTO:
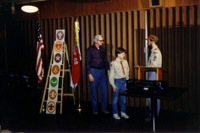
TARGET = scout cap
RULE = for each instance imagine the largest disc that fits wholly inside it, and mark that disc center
(152, 38)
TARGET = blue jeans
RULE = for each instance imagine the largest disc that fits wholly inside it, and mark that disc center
(100, 79)
(120, 84)
(152, 76)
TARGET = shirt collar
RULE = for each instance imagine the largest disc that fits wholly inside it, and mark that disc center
(96, 47)
(155, 47)
(118, 59)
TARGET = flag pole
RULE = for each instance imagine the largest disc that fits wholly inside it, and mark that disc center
(77, 28)
(40, 86)
(79, 103)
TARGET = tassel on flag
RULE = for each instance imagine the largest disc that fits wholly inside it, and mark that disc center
(76, 66)
(40, 48)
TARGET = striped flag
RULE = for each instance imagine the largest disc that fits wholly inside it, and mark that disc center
(76, 66)
(40, 48)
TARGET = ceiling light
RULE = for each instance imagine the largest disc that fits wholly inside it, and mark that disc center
(29, 9)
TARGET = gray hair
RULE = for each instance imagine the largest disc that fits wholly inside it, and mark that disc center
(96, 38)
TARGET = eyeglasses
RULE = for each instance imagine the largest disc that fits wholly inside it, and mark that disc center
(101, 40)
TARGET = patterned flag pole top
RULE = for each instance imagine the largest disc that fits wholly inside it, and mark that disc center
(40, 48)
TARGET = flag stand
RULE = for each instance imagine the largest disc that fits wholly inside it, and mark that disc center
(79, 104)
(79, 108)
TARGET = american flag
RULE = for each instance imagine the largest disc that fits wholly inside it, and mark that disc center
(40, 47)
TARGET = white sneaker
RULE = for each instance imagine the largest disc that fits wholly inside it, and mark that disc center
(124, 115)
(116, 116)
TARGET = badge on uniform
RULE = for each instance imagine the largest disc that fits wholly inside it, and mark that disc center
(155, 57)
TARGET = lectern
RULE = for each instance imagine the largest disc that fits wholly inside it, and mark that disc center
(141, 71)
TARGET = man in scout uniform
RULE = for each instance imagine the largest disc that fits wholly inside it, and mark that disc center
(155, 60)
(119, 73)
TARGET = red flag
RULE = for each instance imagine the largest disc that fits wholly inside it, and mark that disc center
(40, 48)
(76, 66)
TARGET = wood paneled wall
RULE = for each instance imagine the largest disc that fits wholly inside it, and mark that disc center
(177, 28)
(66, 8)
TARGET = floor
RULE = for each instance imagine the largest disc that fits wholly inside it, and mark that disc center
(19, 112)
(28, 119)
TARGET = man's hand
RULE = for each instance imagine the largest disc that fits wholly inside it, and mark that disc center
(108, 73)
(91, 78)
(114, 89)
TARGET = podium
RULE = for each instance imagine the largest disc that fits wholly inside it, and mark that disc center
(141, 72)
